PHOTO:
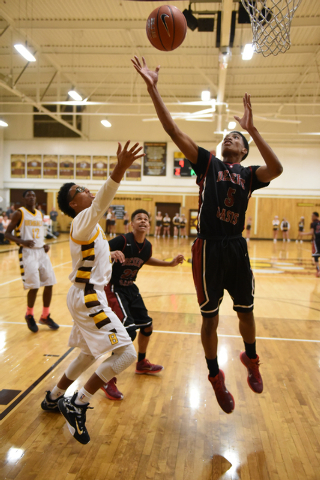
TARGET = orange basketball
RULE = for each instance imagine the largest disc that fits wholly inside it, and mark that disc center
(166, 28)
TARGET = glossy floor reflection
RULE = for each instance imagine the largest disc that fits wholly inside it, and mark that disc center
(170, 426)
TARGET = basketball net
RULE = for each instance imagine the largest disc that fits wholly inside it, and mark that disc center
(271, 22)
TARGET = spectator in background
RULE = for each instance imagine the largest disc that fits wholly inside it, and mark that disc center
(183, 224)
(285, 227)
(2, 230)
(108, 221)
(149, 226)
(113, 224)
(126, 222)
(300, 230)
(10, 211)
(53, 217)
(166, 225)
(41, 209)
(275, 228)
(6, 220)
(158, 224)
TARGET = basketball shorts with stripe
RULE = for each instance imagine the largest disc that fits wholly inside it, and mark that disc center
(218, 266)
(97, 329)
(35, 268)
(127, 303)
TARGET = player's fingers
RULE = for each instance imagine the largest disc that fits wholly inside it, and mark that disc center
(236, 118)
(144, 62)
(157, 69)
(137, 151)
(119, 148)
(137, 60)
(134, 147)
(125, 148)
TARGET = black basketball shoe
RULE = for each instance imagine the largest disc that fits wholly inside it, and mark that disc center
(31, 323)
(49, 322)
(75, 416)
(50, 405)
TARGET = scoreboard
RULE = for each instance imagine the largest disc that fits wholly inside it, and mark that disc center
(181, 166)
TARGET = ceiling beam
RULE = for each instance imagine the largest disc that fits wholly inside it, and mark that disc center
(105, 24)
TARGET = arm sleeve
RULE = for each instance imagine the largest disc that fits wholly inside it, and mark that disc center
(84, 223)
(255, 183)
(117, 243)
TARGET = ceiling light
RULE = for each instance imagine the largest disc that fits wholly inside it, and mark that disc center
(73, 94)
(24, 52)
(231, 125)
(106, 123)
(205, 95)
(3, 123)
(247, 52)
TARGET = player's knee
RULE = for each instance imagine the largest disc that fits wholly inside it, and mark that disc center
(146, 331)
(123, 358)
(79, 365)
(210, 324)
(132, 334)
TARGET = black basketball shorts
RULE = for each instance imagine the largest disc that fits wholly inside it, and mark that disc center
(316, 250)
(222, 265)
(127, 304)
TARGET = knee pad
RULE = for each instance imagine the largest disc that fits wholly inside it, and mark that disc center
(132, 334)
(79, 365)
(121, 359)
(143, 331)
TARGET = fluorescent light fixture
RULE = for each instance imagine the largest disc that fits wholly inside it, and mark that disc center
(231, 125)
(3, 123)
(24, 52)
(106, 123)
(73, 94)
(205, 95)
(248, 51)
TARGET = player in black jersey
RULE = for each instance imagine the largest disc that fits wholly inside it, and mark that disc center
(130, 252)
(315, 232)
(220, 255)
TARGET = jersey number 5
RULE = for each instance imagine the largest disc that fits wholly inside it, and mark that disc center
(229, 201)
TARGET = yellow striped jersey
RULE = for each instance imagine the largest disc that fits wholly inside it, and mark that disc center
(31, 227)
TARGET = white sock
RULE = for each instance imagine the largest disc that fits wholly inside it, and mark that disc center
(56, 393)
(83, 397)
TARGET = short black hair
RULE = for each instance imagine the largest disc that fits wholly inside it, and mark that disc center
(139, 210)
(25, 192)
(63, 200)
(316, 214)
(245, 141)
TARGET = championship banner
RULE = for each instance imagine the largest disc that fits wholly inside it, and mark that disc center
(134, 171)
(155, 160)
(99, 167)
(33, 166)
(50, 166)
(83, 166)
(18, 165)
(66, 166)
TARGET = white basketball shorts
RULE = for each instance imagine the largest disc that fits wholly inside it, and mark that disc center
(35, 268)
(97, 329)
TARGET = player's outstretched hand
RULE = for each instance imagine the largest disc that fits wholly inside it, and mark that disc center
(117, 256)
(125, 159)
(178, 259)
(246, 122)
(149, 76)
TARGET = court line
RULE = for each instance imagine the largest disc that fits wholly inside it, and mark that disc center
(198, 334)
(29, 389)
(19, 278)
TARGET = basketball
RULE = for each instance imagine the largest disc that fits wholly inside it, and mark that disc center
(166, 28)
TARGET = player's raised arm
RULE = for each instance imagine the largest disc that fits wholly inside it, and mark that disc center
(187, 146)
(273, 167)
(155, 262)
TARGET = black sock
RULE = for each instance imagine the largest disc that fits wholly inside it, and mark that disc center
(213, 366)
(141, 356)
(250, 350)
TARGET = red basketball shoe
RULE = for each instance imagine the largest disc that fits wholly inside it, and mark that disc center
(254, 378)
(145, 367)
(224, 397)
(111, 390)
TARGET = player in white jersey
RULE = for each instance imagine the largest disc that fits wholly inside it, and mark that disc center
(35, 266)
(96, 330)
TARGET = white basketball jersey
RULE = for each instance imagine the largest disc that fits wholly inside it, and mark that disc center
(91, 259)
(31, 227)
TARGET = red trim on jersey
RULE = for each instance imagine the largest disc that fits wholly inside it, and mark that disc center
(250, 183)
(113, 302)
(197, 269)
(125, 242)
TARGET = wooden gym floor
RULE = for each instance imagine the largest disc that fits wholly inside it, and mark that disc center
(170, 426)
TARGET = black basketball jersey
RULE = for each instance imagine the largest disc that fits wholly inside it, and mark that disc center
(224, 192)
(136, 255)
(316, 229)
